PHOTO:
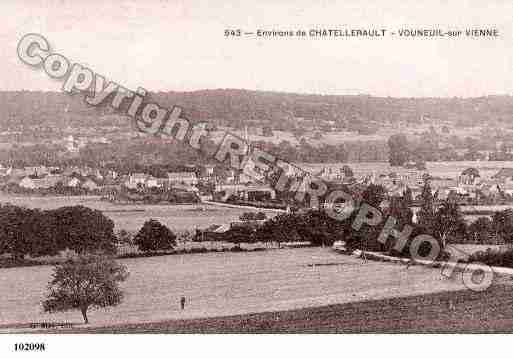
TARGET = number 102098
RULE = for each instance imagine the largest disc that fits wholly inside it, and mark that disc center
(29, 347)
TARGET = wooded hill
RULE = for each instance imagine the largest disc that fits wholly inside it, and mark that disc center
(236, 108)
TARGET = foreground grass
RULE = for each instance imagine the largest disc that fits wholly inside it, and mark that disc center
(448, 312)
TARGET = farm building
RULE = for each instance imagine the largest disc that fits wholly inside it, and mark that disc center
(246, 192)
(45, 182)
(183, 177)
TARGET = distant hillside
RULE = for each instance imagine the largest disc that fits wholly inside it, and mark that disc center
(236, 108)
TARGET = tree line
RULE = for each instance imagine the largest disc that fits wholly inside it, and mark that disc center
(36, 232)
(443, 220)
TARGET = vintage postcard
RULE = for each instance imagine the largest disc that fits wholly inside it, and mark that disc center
(272, 167)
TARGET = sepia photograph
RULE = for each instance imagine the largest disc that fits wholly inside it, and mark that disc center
(235, 167)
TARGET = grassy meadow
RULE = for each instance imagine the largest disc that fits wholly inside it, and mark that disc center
(217, 284)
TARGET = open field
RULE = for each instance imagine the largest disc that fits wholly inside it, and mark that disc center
(472, 312)
(132, 217)
(220, 284)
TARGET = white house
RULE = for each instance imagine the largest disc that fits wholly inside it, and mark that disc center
(183, 177)
(45, 182)
(73, 182)
(136, 180)
(27, 182)
(209, 169)
(153, 182)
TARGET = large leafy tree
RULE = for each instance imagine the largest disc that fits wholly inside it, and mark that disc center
(83, 229)
(314, 226)
(481, 230)
(124, 237)
(318, 228)
(41, 228)
(154, 236)
(32, 231)
(347, 171)
(503, 225)
(85, 282)
(239, 235)
(400, 210)
(15, 235)
(425, 150)
(279, 229)
(374, 195)
(408, 196)
(399, 152)
(448, 221)
(426, 213)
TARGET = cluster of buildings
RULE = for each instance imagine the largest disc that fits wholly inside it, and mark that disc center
(42, 178)
(181, 180)
(466, 186)
(222, 184)
(86, 179)
(45, 178)
(74, 144)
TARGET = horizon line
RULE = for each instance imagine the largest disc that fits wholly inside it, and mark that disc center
(361, 94)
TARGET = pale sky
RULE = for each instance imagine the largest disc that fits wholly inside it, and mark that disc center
(179, 45)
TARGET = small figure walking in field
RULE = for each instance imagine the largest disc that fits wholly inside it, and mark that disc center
(409, 264)
(452, 307)
(182, 303)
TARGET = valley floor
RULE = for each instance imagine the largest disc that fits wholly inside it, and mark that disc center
(226, 284)
(470, 312)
